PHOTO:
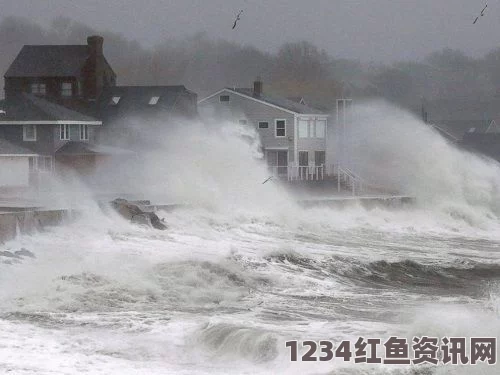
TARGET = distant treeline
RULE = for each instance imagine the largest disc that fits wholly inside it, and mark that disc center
(204, 64)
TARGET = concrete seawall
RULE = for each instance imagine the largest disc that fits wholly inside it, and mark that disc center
(24, 221)
(28, 221)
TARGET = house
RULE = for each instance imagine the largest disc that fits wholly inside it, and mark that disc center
(154, 104)
(59, 99)
(293, 135)
(483, 139)
(49, 90)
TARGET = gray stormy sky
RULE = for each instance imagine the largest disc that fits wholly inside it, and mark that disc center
(371, 30)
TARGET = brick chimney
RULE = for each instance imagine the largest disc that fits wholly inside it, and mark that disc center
(257, 87)
(94, 70)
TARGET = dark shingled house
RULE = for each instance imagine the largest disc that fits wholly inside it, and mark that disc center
(58, 99)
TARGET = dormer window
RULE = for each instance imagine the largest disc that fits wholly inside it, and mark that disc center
(66, 89)
(38, 88)
(154, 100)
(114, 100)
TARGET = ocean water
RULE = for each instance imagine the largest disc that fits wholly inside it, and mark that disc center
(244, 269)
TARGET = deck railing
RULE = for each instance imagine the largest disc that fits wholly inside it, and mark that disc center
(299, 172)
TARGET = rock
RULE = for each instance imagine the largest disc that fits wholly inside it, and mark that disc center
(25, 253)
(134, 213)
(8, 254)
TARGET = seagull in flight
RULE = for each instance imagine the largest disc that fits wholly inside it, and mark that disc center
(481, 15)
(237, 19)
(267, 180)
(482, 12)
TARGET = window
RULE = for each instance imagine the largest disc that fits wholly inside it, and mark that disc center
(44, 164)
(319, 158)
(84, 132)
(224, 98)
(280, 128)
(40, 164)
(38, 88)
(32, 164)
(263, 125)
(29, 132)
(64, 132)
(320, 128)
(242, 122)
(114, 100)
(154, 100)
(66, 89)
(303, 128)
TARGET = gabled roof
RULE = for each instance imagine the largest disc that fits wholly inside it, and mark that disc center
(7, 148)
(458, 128)
(84, 148)
(31, 109)
(484, 143)
(49, 61)
(282, 103)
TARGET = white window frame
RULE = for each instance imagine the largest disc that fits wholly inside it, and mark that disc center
(307, 123)
(66, 91)
(64, 132)
(224, 101)
(263, 122)
(25, 137)
(276, 127)
(84, 132)
(316, 128)
(38, 88)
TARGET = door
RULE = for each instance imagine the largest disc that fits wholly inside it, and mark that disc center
(282, 157)
(278, 162)
(303, 164)
(319, 158)
(319, 162)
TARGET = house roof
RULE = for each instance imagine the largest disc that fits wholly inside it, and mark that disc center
(284, 103)
(84, 148)
(484, 143)
(7, 148)
(140, 99)
(456, 129)
(49, 61)
(31, 109)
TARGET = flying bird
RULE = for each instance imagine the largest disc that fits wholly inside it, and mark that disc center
(481, 15)
(237, 19)
(482, 12)
(269, 178)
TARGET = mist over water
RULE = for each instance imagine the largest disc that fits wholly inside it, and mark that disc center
(243, 268)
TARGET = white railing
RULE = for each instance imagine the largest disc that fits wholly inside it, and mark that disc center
(349, 179)
(299, 173)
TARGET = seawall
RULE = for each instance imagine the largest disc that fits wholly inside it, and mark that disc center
(27, 221)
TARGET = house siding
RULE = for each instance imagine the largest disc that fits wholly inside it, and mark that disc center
(44, 143)
(241, 108)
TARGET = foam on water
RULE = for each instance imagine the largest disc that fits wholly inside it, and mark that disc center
(245, 268)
